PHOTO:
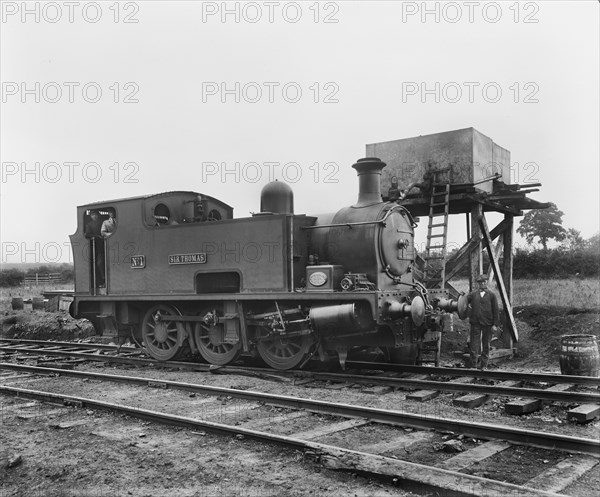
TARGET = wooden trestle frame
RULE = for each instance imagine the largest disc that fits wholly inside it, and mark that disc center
(506, 199)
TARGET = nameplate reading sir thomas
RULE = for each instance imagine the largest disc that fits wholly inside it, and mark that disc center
(198, 258)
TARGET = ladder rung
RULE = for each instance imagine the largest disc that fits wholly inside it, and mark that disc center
(436, 225)
(435, 204)
(436, 236)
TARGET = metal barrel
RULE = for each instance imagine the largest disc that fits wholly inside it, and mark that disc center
(579, 355)
(17, 303)
(37, 303)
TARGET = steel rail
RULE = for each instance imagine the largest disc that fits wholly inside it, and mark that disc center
(472, 429)
(109, 358)
(552, 378)
(537, 393)
(496, 375)
(338, 458)
(86, 345)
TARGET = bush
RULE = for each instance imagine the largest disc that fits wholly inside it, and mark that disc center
(11, 277)
(556, 263)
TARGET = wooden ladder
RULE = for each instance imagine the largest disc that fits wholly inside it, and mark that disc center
(437, 230)
(435, 255)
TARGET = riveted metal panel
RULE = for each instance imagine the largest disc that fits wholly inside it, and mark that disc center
(471, 155)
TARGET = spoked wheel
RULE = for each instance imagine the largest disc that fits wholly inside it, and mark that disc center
(162, 337)
(211, 344)
(285, 353)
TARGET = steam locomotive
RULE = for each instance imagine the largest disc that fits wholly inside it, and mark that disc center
(181, 276)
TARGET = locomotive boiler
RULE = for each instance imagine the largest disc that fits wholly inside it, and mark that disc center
(181, 275)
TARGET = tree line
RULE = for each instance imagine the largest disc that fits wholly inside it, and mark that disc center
(574, 256)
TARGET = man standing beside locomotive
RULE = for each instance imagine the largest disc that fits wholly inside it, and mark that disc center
(484, 321)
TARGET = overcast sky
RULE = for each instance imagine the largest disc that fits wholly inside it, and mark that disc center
(105, 100)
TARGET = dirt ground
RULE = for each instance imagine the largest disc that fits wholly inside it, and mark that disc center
(73, 452)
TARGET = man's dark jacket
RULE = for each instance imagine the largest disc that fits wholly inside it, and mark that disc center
(484, 309)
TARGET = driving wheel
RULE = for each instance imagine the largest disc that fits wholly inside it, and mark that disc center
(210, 340)
(285, 352)
(162, 337)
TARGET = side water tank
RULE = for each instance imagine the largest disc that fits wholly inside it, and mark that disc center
(277, 197)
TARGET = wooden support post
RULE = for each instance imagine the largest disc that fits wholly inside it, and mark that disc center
(507, 268)
(487, 241)
(475, 260)
(507, 265)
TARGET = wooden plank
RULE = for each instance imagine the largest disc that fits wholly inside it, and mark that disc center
(329, 429)
(507, 269)
(523, 406)
(510, 383)
(281, 419)
(228, 412)
(18, 376)
(68, 424)
(422, 395)
(476, 454)
(560, 476)
(497, 353)
(462, 379)
(402, 442)
(475, 259)
(404, 471)
(507, 266)
(499, 281)
(496, 206)
(471, 400)
(561, 387)
(375, 390)
(583, 413)
(499, 229)
(17, 407)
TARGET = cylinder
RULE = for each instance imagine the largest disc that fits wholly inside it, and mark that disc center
(579, 355)
(17, 304)
(37, 303)
(341, 319)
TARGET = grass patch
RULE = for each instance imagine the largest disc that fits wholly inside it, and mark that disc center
(581, 294)
(578, 293)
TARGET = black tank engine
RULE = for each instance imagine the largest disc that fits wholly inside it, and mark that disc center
(181, 276)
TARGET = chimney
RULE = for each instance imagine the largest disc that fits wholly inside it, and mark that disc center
(369, 178)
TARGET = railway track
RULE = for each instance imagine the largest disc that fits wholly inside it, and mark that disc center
(427, 379)
(391, 433)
